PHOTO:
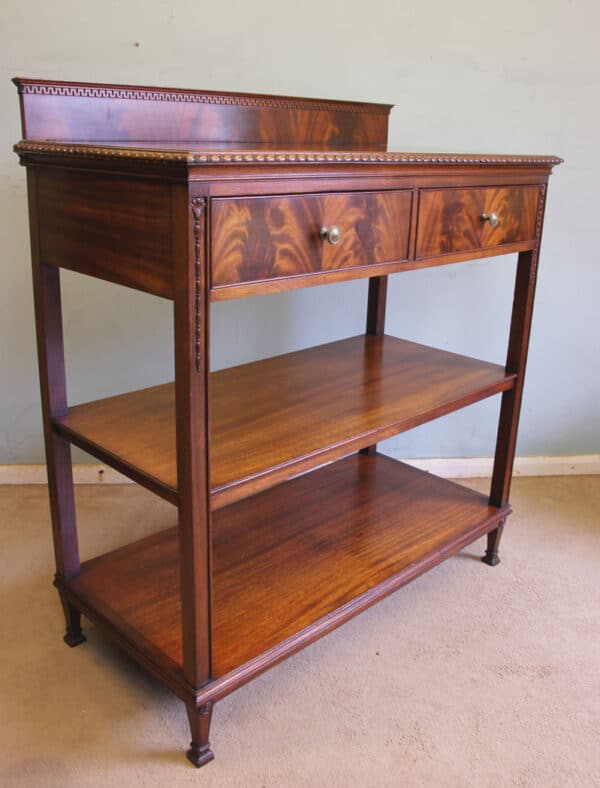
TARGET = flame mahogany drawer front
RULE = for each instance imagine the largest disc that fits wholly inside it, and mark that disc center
(461, 220)
(261, 238)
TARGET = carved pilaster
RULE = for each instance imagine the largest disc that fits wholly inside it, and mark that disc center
(540, 212)
(198, 209)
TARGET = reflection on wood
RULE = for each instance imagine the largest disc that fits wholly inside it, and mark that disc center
(256, 238)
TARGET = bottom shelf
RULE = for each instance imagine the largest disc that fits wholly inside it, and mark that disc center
(289, 564)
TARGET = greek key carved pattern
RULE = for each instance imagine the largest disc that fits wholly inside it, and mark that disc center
(198, 206)
(193, 97)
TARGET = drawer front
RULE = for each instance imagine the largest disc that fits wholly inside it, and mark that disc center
(260, 238)
(451, 220)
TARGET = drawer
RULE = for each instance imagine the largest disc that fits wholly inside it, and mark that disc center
(453, 220)
(256, 239)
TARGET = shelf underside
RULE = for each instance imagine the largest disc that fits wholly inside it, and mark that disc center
(289, 564)
(275, 418)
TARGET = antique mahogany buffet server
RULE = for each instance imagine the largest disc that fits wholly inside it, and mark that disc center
(200, 197)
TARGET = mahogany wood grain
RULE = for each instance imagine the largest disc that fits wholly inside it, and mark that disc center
(199, 717)
(132, 642)
(450, 219)
(516, 362)
(258, 238)
(46, 286)
(114, 228)
(267, 286)
(491, 557)
(123, 182)
(191, 420)
(274, 418)
(335, 180)
(377, 521)
(88, 112)
(53, 390)
(376, 304)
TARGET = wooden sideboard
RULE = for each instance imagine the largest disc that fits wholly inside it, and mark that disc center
(289, 521)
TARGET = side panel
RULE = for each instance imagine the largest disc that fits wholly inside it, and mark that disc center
(111, 227)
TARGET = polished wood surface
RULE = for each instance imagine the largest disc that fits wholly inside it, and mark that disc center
(450, 219)
(192, 434)
(114, 228)
(290, 556)
(199, 717)
(276, 417)
(201, 157)
(203, 196)
(274, 237)
(516, 362)
(88, 112)
(268, 286)
(376, 306)
(53, 390)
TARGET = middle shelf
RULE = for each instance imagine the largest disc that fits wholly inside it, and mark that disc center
(272, 419)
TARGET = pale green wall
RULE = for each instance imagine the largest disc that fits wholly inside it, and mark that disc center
(517, 77)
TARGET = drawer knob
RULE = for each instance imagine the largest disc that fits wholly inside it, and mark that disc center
(332, 234)
(492, 218)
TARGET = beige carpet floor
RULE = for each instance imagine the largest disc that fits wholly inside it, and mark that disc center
(469, 676)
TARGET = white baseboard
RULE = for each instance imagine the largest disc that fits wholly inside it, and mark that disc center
(451, 468)
(481, 467)
(83, 473)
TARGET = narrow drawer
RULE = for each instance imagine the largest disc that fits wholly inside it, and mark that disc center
(461, 220)
(260, 238)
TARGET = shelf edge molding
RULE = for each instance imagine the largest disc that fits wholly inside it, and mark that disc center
(150, 636)
(364, 389)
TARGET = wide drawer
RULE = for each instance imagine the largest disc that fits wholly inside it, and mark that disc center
(264, 238)
(461, 220)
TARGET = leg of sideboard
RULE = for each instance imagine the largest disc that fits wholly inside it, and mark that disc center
(200, 717)
(192, 419)
(376, 305)
(516, 362)
(73, 636)
(53, 388)
(491, 557)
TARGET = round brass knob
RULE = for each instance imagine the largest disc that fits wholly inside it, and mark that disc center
(492, 218)
(332, 234)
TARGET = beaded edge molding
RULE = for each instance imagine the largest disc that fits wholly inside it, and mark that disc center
(275, 157)
(197, 97)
